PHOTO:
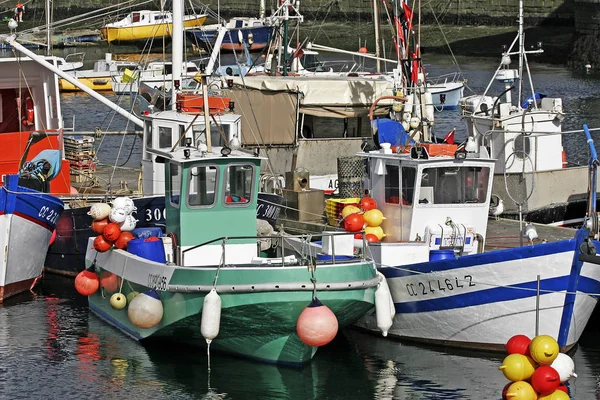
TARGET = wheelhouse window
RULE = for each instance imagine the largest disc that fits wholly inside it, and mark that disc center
(135, 17)
(454, 185)
(148, 143)
(399, 184)
(239, 184)
(174, 184)
(165, 137)
(202, 185)
(219, 135)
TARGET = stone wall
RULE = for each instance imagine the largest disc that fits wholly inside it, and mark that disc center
(468, 12)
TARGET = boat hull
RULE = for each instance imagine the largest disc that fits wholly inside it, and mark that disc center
(98, 83)
(481, 301)
(27, 220)
(258, 324)
(446, 96)
(205, 38)
(123, 35)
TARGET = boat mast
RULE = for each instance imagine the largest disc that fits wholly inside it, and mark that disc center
(48, 29)
(521, 52)
(177, 47)
(377, 38)
(261, 9)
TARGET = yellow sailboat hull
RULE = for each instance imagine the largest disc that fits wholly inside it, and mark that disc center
(97, 83)
(143, 32)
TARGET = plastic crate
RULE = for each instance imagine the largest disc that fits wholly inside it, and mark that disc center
(334, 207)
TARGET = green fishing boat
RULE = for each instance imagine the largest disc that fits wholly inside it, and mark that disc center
(257, 289)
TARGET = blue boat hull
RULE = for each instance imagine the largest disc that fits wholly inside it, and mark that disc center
(205, 38)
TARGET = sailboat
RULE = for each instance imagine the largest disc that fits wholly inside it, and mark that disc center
(523, 131)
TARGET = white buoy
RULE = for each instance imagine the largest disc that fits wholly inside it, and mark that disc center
(129, 224)
(211, 316)
(384, 306)
(99, 211)
(564, 365)
(125, 203)
(145, 310)
(117, 215)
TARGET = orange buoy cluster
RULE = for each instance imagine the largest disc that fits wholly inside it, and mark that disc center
(367, 218)
(536, 369)
(113, 225)
(317, 325)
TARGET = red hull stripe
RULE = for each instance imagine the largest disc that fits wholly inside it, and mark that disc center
(15, 288)
(34, 220)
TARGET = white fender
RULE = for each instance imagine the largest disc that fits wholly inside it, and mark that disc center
(211, 316)
(384, 306)
(99, 211)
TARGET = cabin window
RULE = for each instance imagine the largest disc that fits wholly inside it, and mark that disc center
(454, 185)
(202, 185)
(239, 183)
(408, 185)
(239, 24)
(174, 184)
(135, 17)
(148, 135)
(216, 139)
(399, 188)
(165, 137)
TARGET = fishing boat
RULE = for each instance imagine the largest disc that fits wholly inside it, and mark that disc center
(459, 280)
(261, 294)
(522, 129)
(98, 78)
(146, 24)
(157, 74)
(257, 32)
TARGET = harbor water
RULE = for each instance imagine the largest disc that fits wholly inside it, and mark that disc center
(52, 347)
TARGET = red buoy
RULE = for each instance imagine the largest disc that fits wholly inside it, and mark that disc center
(101, 245)
(354, 222)
(563, 388)
(109, 281)
(518, 344)
(53, 237)
(111, 232)
(368, 203)
(363, 50)
(545, 379)
(123, 239)
(317, 325)
(371, 238)
(87, 282)
(98, 226)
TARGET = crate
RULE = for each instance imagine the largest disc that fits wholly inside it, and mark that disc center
(334, 207)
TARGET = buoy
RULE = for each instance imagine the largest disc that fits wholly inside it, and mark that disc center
(371, 238)
(368, 203)
(384, 306)
(354, 222)
(131, 296)
(518, 344)
(117, 215)
(99, 211)
(99, 225)
(211, 316)
(145, 310)
(517, 367)
(87, 283)
(118, 301)
(317, 325)
(109, 281)
(111, 232)
(349, 210)
(52, 237)
(563, 388)
(564, 365)
(101, 245)
(544, 349)
(545, 379)
(129, 224)
(375, 230)
(373, 217)
(72, 190)
(521, 391)
(123, 239)
(363, 50)
(556, 395)
(125, 203)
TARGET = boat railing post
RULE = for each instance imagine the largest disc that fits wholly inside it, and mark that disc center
(223, 242)
(364, 246)
(282, 248)
(537, 308)
(332, 249)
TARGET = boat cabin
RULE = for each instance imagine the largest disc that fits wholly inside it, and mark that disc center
(208, 196)
(166, 130)
(433, 202)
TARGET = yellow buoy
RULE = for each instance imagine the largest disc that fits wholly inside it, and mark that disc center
(373, 217)
(517, 367)
(131, 296)
(521, 391)
(349, 210)
(118, 301)
(375, 230)
(556, 395)
(544, 349)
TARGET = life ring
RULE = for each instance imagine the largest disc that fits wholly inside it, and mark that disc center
(29, 115)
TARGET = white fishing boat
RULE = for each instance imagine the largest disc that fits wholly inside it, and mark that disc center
(157, 74)
(522, 129)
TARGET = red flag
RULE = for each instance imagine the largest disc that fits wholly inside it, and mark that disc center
(408, 13)
(449, 138)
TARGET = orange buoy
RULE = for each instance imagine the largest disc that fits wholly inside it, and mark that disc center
(368, 203)
(52, 238)
(87, 282)
(363, 50)
(111, 232)
(317, 325)
(123, 239)
(354, 222)
(109, 281)
(101, 245)
(98, 226)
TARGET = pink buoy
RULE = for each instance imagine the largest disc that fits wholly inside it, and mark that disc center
(53, 237)
(317, 325)
(545, 379)
(518, 344)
